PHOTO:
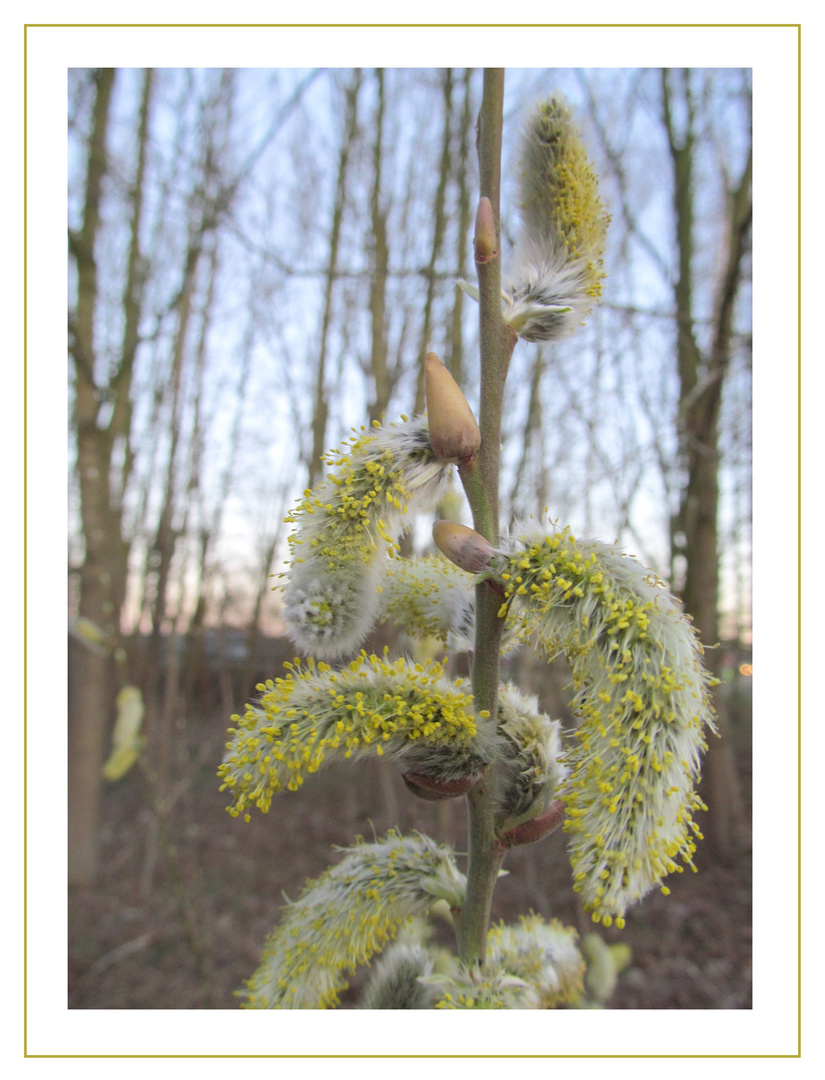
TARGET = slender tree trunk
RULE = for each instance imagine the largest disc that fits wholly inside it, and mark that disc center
(120, 426)
(455, 353)
(91, 701)
(320, 410)
(104, 461)
(194, 657)
(531, 435)
(268, 552)
(439, 218)
(163, 549)
(379, 370)
(701, 382)
(210, 198)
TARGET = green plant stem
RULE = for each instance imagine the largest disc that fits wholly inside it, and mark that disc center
(481, 483)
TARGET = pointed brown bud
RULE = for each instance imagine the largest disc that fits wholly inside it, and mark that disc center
(462, 546)
(453, 429)
(485, 237)
(434, 790)
(536, 828)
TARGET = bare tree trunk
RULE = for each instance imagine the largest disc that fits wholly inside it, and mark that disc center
(522, 504)
(163, 548)
(104, 463)
(320, 410)
(194, 659)
(438, 236)
(701, 382)
(455, 354)
(91, 702)
(267, 554)
(210, 198)
(379, 370)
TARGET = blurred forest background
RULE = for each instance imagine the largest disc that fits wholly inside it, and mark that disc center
(259, 261)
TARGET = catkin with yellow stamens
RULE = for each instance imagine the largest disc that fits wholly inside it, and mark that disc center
(345, 916)
(535, 965)
(642, 693)
(544, 954)
(430, 597)
(373, 707)
(557, 271)
(347, 526)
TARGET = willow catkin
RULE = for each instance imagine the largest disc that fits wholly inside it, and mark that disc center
(557, 270)
(348, 526)
(642, 694)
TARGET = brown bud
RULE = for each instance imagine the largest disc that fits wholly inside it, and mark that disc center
(433, 790)
(536, 828)
(485, 236)
(462, 546)
(453, 429)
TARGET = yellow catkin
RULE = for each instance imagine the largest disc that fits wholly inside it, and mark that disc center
(642, 694)
(373, 706)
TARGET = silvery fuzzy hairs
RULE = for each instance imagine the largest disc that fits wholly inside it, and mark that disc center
(347, 527)
(555, 277)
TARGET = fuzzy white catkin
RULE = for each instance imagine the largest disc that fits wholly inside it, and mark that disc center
(395, 980)
(353, 910)
(431, 597)
(346, 529)
(544, 954)
(642, 693)
(556, 274)
(407, 712)
(530, 769)
(534, 965)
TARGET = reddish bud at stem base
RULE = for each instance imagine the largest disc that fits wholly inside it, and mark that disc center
(433, 790)
(462, 546)
(536, 828)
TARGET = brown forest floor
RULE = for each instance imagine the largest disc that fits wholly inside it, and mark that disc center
(128, 947)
